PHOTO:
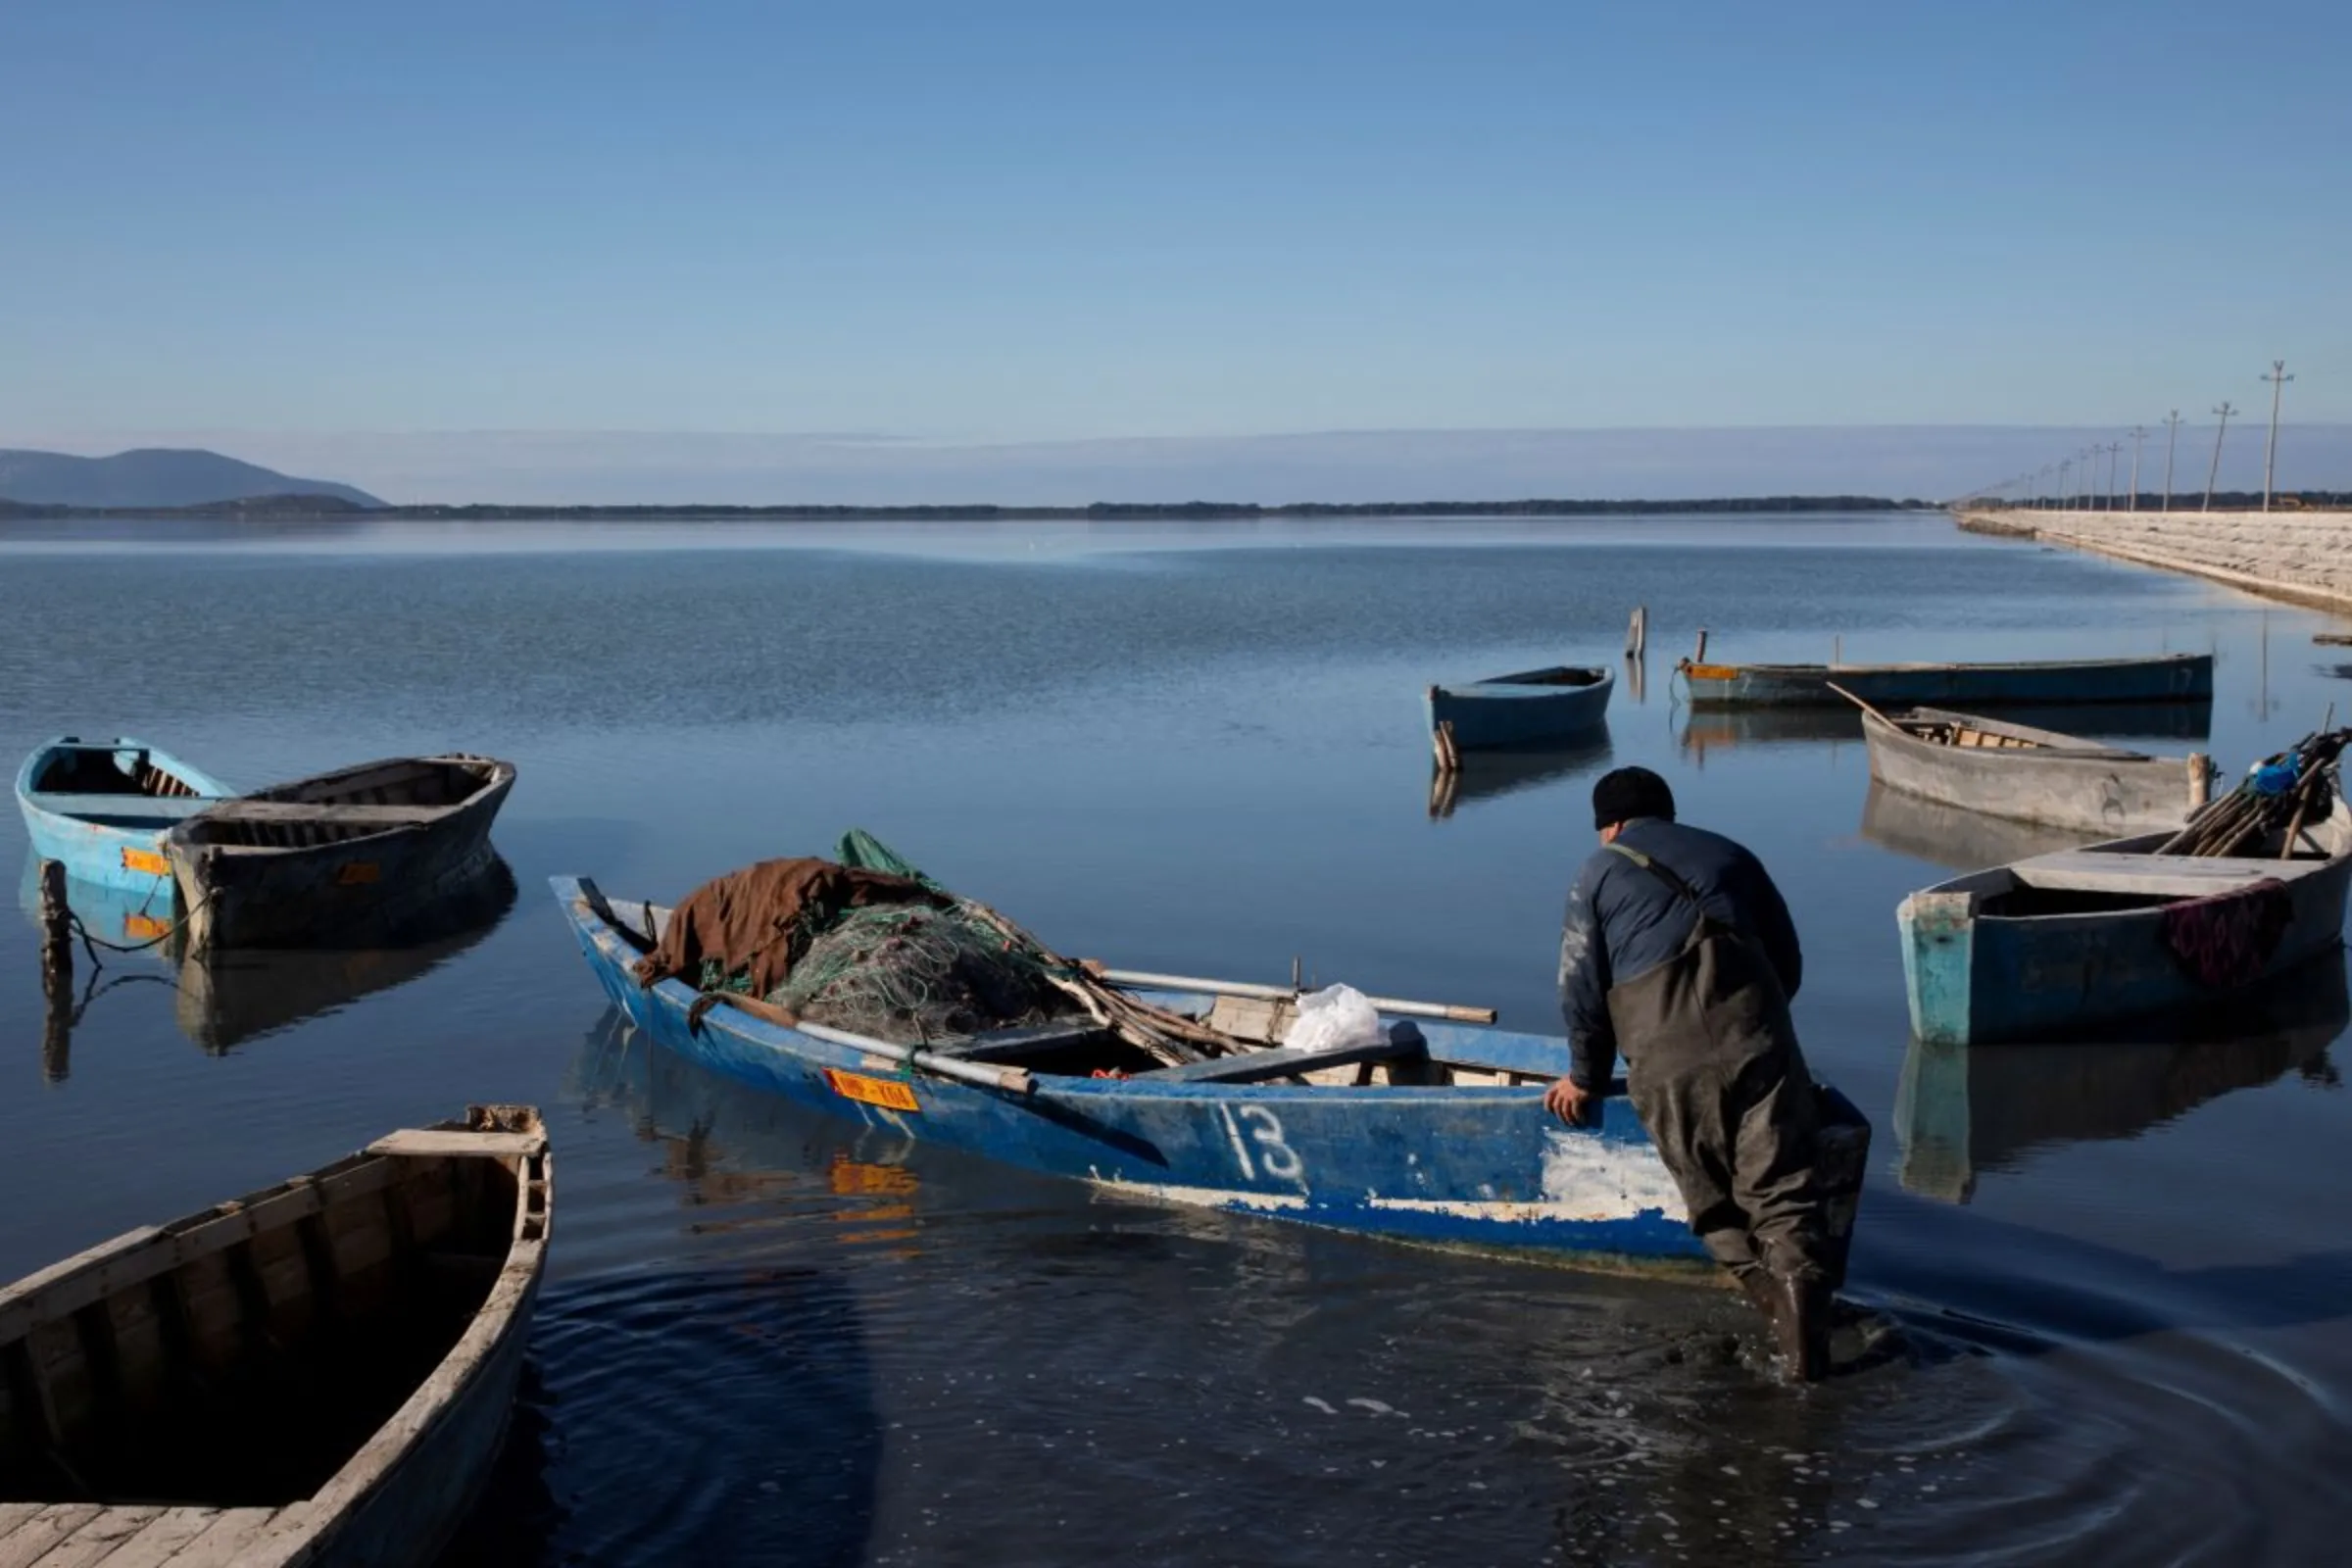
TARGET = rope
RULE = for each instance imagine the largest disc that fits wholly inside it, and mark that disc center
(90, 942)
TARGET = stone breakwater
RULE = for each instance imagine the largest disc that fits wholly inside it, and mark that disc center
(2304, 558)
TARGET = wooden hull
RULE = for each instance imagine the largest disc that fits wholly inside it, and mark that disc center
(1479, 1166)
(201, 1367)
(236, 888)
(1961, 1111)
(112, 835)
(2064, 783)
(1519, 709)
(1976, 974)
(2170, 678)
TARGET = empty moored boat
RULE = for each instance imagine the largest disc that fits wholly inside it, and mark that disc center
(2033, 775)
(102, 809)
(1433, 1133)
(2046, 946)
(350, 858)
(1528, 709)
(2160, 678)
(319, 1373)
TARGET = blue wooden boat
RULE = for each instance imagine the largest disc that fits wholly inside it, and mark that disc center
(1528, 709)
(358, 858)
(1453, 1148)
(102, 808)
(2045, 948)
(2161, 678)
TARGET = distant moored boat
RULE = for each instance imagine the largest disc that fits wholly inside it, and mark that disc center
(1528, 709)
(2160, 678)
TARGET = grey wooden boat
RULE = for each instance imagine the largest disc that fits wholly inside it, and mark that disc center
(355, 858)
(2033, 775)
(319, 1373)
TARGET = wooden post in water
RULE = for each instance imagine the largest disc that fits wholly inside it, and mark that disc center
(57, 972)
(1636, 633)
(2200, 780)
(1700, 656)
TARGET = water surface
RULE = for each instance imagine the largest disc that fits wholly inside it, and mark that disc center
(2117, 1279)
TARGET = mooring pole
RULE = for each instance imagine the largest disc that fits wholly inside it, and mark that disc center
(57, 972)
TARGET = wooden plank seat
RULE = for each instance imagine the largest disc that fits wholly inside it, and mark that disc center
(1255, 1066)
(2174, 876)
(141, 807)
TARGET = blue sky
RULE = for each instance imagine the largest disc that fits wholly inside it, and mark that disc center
(1016, 222)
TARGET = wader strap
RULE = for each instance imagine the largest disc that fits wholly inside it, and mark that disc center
(1680, 888)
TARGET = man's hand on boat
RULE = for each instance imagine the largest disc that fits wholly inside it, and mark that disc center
(1569, 1101)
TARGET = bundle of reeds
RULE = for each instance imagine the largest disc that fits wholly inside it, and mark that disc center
(2277, 797)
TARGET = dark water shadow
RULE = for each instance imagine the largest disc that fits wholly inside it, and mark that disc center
(1487, 775)
(716, 1415)
(1961, 1111)
(230, 997)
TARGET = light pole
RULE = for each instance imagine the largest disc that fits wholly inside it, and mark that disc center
(2115, 461)
(2090, 473)
(2220, 430)
(2139, 433)
(2063, 468)
(2171, 433)
(2277, 379)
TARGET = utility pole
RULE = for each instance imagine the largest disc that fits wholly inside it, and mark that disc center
(2063, 468)
(2139, 433)
(2090, 473)
(2115, 463)
(2277, 379)
(2225, 410)
(2171, 433)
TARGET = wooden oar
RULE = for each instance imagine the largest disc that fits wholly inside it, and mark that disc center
(1011, 1080)
(1859, 702)
(1449, 1012)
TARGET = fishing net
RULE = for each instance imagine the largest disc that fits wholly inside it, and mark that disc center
(909, 974)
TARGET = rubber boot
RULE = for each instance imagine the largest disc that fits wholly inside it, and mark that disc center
(1763, 1295)
(1800, 1325)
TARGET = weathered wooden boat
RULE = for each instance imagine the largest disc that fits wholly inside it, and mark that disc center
(1434, 1134)
(355, 858)
(1528, 709)
(319, 1373)
(1961, 1111)
(2044, 947)
(2035, 775)
(2160, 678)
(102, 809)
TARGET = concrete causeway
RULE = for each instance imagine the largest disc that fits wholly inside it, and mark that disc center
(2302, 556)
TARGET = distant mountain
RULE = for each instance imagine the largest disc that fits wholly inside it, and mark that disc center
(152, 476)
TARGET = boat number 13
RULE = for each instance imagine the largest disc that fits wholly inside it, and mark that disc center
(1255, 1124)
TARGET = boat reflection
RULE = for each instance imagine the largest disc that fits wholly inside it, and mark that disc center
(1490, 775)
(1961, 1111)
(228, 996)
(729, 1145)
(1954, 838)
(1702, 732)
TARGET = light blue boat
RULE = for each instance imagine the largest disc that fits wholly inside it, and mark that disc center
(2053, 946)
(102, 808)
(1528, 709)
(1454, 1149)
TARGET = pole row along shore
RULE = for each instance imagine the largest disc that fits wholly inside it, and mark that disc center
(2303, 557)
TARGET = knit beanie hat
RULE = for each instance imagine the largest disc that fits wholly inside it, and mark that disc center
(1627, 793)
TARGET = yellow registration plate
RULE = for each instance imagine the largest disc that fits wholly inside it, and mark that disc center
(885, 1092)
(146, 861)
(358, 873)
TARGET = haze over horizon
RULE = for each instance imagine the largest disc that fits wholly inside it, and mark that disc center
(1047, 252)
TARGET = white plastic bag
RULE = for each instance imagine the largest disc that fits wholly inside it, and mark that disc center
(1333, 1019)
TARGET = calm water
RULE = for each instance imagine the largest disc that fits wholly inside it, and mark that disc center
(2117, 1279)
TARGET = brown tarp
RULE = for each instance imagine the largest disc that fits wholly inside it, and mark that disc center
(761, 918)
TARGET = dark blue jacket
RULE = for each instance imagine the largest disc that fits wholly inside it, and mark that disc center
(1622, 922)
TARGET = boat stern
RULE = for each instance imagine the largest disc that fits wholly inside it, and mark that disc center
(1938, 935)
